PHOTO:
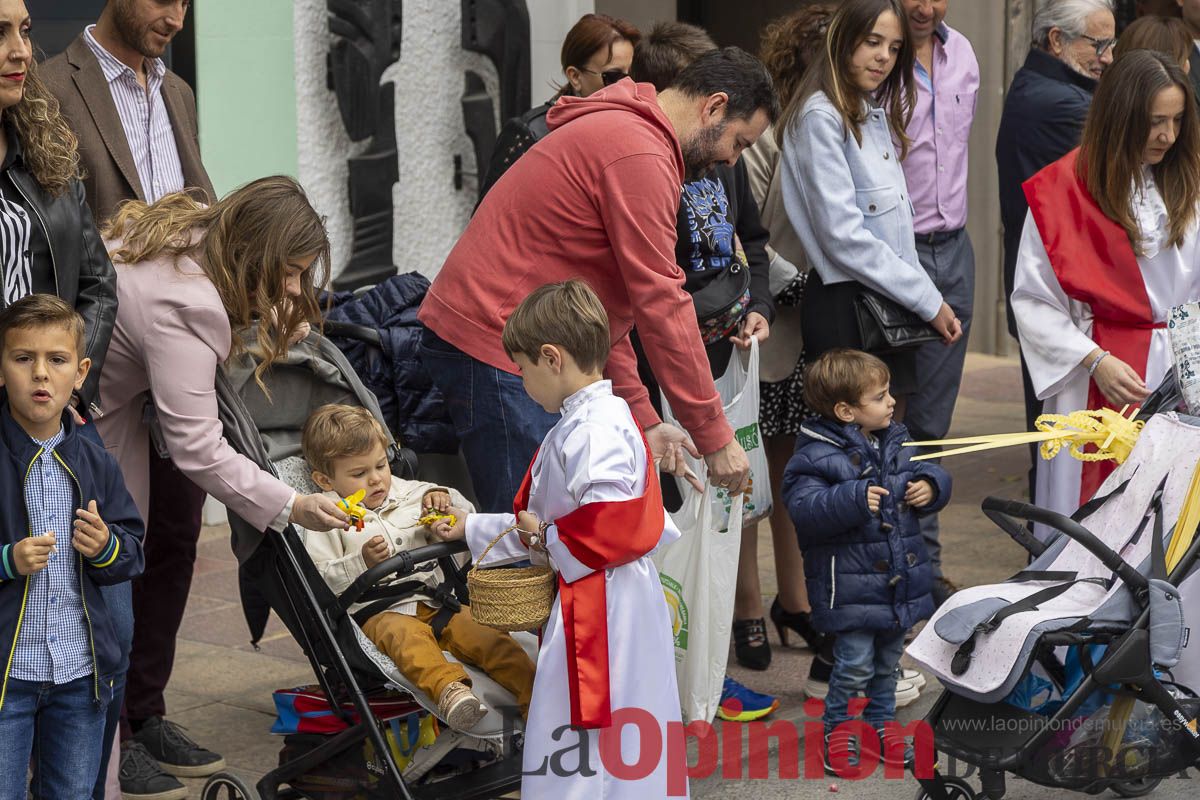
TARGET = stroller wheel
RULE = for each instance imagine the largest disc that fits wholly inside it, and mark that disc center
(956, 789)
(1136, 788)
(227, 786)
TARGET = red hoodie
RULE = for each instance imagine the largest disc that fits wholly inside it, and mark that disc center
(597, 200)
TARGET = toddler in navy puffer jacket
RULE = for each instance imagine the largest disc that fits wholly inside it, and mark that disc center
(854, 494)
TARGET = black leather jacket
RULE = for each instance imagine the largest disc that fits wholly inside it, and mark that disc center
(78, 270)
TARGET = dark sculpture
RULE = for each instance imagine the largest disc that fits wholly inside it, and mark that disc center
(500, 30)
(479, 117)
(366, 41)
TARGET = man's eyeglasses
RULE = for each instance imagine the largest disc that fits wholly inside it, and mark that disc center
(1101, 45)
(608, 77)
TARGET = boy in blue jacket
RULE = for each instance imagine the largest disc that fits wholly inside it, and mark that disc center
(67, 526)
(854, 495)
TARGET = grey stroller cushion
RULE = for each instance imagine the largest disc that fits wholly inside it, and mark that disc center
(958, 624)
(1166, 623)
(295, 472)
(1167, 447)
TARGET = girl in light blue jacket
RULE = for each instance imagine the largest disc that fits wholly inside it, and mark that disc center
(843, 187)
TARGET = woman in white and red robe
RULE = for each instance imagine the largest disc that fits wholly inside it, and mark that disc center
(1109, 246)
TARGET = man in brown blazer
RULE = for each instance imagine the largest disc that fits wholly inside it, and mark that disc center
(76, 79)
(138, 139)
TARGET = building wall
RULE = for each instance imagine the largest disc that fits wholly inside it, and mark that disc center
(430, 212)
(245, 93)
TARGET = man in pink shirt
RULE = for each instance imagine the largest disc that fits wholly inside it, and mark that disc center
(947, 77)
(595, 199)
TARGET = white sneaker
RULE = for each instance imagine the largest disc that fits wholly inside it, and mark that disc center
(915, 677)
(906, 693)
(459, 707)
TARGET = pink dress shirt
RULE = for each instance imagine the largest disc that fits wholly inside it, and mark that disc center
(936, 166)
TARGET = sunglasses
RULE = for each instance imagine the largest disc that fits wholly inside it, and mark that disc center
(608, 77)
(1101, 45)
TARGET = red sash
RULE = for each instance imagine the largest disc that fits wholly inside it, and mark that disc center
(600, 535)
(1095, 264)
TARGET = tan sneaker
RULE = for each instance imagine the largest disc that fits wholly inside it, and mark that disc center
(459, 707)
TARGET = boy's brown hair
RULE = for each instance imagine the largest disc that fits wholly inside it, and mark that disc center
(842, 375)
(42, 311)
(335, 431)
(568, 315)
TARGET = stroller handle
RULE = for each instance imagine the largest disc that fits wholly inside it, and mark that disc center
(400, 564)
(350, 330)
(1002, 511)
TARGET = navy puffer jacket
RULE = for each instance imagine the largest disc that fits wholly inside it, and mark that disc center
(413, 408)
(864, 571)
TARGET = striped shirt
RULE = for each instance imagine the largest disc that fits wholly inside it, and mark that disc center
(144, 117)
(53, 644)
(15, 232)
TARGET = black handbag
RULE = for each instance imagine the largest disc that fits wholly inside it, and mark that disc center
(721, 303)
(885, 326)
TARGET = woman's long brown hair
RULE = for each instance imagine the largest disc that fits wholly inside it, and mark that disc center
(1115, 137)
(48, 144)
(244, 243)
(829, 72)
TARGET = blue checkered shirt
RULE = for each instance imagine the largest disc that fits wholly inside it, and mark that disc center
(53, 645)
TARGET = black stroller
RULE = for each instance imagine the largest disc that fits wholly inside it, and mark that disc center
(1075, 672)
(484, 764)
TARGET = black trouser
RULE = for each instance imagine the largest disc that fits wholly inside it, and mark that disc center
(160, 594)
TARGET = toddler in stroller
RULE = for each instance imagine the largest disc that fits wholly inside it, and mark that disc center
(265, 424)
(346, 448)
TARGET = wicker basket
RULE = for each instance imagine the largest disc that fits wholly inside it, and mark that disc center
(511, 598)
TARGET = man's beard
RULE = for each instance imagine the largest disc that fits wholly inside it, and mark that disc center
(133, 33)
(700, 152)
(1075, 66)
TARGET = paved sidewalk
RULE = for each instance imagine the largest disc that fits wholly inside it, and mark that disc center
(221, 687)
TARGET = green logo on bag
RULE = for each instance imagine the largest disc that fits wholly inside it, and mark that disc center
(679, 611)
(748, 437)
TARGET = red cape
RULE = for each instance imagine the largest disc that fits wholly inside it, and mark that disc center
(600, 535)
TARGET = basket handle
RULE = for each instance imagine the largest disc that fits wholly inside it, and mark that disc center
(492, 544)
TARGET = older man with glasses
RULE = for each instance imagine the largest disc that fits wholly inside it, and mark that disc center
(1043, 118)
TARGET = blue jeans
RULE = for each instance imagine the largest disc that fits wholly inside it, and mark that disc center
(864, 661)
(118, 599)
(61, 728)
(499, 426)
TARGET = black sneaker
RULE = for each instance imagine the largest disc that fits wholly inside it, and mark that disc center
(846, 749)
(175, 752)
(896, 749)
(143, 779)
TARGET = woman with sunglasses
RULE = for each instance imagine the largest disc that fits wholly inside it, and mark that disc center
(597, 52)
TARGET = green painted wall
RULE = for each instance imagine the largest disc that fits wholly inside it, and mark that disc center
(246, 89)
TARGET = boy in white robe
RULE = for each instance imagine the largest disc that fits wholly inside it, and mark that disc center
(605, 688)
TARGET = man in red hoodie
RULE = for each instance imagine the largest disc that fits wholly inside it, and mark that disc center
(596, 199)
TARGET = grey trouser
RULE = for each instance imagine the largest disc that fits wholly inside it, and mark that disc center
(950, 261)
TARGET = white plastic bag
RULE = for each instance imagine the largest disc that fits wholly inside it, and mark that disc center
(699, 574)
(738, 389)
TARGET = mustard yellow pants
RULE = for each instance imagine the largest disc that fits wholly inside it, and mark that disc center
(410, 643)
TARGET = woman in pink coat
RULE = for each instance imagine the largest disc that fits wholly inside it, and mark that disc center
(192, 282)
